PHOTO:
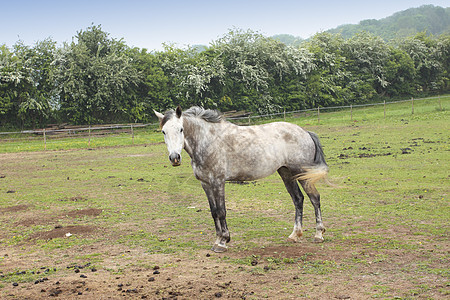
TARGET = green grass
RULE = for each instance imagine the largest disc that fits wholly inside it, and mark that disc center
(28, 275)
(390, 205)
(27, 142)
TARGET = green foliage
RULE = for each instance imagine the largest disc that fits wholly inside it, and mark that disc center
(25, 85)
(98, 79)
(9, 77)
(95, 79)
(399, 73)
(153, 90)
(429, 56)
(249, 68)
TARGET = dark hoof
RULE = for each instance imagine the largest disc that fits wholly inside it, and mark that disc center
(291, 240)
(219, 249)
(318, 240)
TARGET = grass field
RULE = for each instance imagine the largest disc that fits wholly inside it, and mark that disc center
(117, 221)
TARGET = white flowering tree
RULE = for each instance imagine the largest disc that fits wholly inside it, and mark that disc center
(239, 71)
(431, 60)
(95, 78)
(25, 85)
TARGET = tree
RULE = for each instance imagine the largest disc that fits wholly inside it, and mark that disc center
(399, 73)
(186, 79)
(429, 58)
(25, 85)
(254, 68)
(95, 79)
(36, 108)
(443, 46)
(10, 77)
(366, 59)
(330, 83)
(152, 91)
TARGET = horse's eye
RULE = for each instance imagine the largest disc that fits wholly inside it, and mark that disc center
(163, 132)
(181, 130)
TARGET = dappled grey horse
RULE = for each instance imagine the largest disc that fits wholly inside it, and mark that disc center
(221, 151)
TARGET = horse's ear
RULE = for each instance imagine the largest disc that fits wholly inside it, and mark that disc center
(179, 111)
(159, 115)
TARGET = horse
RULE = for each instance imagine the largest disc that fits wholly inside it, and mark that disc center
(221, 151)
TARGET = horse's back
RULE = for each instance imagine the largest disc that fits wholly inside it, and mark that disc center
(291, 140)
(254, 152)
(285, 132)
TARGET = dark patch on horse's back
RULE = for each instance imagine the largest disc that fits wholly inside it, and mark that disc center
(288, 137)
(212, 130)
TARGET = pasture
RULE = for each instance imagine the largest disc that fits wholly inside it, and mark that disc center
(117, 221)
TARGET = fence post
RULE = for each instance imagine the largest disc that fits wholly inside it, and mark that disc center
(132, 135)
(440, 104)
(412, 103)
(89, 141)
(351, 113)
(45, 141)
(318, 114)
(284, 112)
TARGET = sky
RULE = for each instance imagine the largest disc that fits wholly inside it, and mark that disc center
(149, 24)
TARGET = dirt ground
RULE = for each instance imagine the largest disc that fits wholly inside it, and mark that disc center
(274, 272)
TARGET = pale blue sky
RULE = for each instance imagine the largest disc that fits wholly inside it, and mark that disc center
(148, 24)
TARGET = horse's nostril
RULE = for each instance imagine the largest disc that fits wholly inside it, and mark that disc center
(175, 158)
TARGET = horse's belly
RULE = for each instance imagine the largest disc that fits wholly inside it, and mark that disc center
(252, 169)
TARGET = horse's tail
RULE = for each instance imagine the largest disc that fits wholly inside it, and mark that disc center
(319, 168)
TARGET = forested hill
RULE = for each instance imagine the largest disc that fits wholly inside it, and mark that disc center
(429, 18)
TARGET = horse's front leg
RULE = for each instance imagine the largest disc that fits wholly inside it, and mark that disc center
(216, 199)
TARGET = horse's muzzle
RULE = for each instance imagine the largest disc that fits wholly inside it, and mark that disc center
(175, 159)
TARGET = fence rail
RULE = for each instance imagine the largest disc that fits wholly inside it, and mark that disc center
(90, 129)
(334, 107)
(73, 130)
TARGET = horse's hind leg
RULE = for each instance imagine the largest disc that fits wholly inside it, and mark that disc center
(297, 198)
(314, 196)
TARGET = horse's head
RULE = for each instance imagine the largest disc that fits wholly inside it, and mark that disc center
(172, 127)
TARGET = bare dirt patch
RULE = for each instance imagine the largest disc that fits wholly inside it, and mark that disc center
(294, 251)
(32, 219)
(62, 232)
(91, 212)
(14, 208)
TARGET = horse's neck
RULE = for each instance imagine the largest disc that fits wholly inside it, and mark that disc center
(198, 135)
